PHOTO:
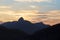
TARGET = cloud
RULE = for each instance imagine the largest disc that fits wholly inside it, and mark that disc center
(6, 14)
(10, 15)
(53, 17)
(5, 6)
(33, 0)
(54, 14)
(34, 7)
(6, 10)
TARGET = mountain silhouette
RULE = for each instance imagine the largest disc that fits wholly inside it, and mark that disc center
(21, 20)
(50, 33)
(25, 25)
(25, 30)
(11, 34)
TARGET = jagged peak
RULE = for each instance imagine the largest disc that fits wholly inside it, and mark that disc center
(21, 19)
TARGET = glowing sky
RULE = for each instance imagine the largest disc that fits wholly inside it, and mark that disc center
(47, 11)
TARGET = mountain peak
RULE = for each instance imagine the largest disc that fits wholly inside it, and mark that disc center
(21, 19)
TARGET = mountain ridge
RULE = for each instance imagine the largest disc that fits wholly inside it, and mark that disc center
(25, 25)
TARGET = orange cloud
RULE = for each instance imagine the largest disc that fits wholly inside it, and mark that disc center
(53, 17)
(50, 17)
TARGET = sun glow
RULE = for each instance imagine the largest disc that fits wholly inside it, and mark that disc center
(30, 15)
(27, 15)
(10, 15)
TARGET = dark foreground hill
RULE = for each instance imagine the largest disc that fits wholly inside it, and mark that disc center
(12, 34)
(51, 33)
(25, 30)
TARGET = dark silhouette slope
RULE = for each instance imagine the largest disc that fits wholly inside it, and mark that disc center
(10, 34)
(21, 30)
(25, 25)
(51, 33)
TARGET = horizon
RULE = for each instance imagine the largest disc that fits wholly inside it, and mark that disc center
(46, 11)
(31, 22)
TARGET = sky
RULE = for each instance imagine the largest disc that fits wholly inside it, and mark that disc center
(47, 11)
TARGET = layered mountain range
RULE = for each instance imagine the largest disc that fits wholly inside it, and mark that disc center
(25, 25)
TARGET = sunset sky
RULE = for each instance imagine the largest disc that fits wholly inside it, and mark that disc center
(47, 11)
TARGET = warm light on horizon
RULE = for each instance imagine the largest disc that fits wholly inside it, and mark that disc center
(30, 15)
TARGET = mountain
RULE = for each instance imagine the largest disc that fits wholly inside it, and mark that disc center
(25, 30)
(25, 25)
(41, 25)
(50, 33)
(12, 34)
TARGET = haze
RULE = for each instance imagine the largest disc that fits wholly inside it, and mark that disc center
(47, 11)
